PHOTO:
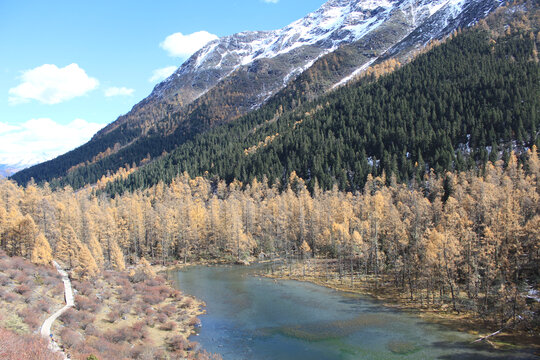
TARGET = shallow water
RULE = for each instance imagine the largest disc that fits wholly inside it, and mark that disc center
(253, 318)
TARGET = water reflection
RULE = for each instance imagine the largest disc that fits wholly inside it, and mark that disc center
(255, 318)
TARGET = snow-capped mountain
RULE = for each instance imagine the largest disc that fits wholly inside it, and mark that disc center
(236, 74)
(10, 165)
(276, 57)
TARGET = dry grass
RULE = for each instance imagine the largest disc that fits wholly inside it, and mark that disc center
(28, 294)
(132, 318)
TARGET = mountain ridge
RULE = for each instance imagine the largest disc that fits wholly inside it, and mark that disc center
(201, 95)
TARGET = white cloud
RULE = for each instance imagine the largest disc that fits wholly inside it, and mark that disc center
(271, 1)
(162, 74)
(52, 85)
(180, 45)
(4, 128)
(118, 91)
(42, 139)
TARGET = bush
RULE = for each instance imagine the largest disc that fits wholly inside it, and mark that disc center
(69, 317)
(30, 317)
(22, 278)
(12, 273)
(194, 322)
(168, 326)
(87, 304)
(19, 263)
(177, 343)
(9, 297)
(127, 293)
(84, 288)
(162, 318)
(70, 338)
(92, 330)
(169, 310)
(85, 318)
(152, 298)
(43, 305)
(50, 280)
(58, 289)
(35, 347)
(4, 280)
(187, 303)
(126, 334)
(113, 316)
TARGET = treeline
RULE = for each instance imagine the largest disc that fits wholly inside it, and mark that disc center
(469, 239)
(464, 103)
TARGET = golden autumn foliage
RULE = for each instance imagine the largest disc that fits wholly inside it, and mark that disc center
(466, 239)
(41, 253)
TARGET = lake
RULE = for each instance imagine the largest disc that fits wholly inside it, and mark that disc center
(249, 317)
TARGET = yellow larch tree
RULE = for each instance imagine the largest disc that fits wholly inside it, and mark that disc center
(117, 257)
(41, 253)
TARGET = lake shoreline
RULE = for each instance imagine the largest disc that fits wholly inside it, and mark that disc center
(390, 297)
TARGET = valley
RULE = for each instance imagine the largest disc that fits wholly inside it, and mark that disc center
(361, 183)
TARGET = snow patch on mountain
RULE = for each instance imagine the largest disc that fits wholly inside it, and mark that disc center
(373, 24)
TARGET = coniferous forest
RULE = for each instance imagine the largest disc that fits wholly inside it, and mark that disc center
(470, 100)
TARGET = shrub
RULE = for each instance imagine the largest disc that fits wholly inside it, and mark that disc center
(113, 316)
(194, 322)
(123, 282)
(43, 305)
(168, 326)
(176, 294)
(87, 304)
(58, 289)
(127, 293)
(169, 309)
(162, 318)
(187, 303)
(85, 319)
(4, 280)
(69, 317)
(84, 288)
(30, 317)
(35, 347)
(12, 273)
(149, 311)
(21, 278)
(127, 334)
(177, 343)
(152, 298)
(19, 263)
(50, 280)
(70, 338)
(9, 297)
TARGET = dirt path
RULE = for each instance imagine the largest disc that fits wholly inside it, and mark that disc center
(70, 302)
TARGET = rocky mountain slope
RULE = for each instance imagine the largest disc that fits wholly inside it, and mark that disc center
(234, 75)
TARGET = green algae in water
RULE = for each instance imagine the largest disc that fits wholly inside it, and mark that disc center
(402, 347)
(322, 331)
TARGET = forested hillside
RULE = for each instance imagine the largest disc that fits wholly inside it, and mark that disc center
(133, 141)
(470, 100)
(464, 240)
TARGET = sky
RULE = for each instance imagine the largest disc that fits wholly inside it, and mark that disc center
(69, 68)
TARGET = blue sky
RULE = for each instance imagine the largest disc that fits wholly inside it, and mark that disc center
(69, 67)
